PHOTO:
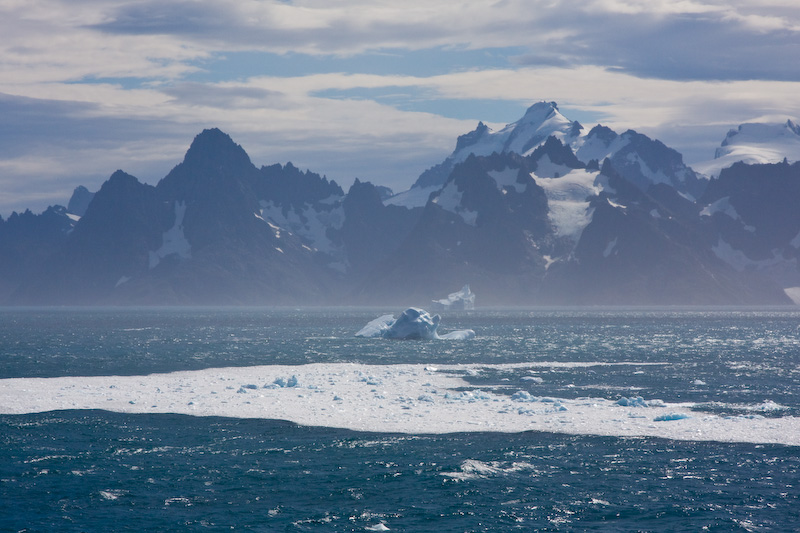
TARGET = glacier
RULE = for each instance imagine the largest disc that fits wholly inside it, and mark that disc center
(413, 323)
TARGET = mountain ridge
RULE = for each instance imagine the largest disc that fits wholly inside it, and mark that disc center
(576, 218)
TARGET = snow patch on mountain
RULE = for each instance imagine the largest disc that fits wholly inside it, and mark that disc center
(796, 241)
(173, 241)
(723, 205)
(652, 175)
(739, 260)
(449, 199)
(507, 179)
(414, 197)
(610, 247)
(599, 146)
(545, 168)
(568, 198)
(310, 222)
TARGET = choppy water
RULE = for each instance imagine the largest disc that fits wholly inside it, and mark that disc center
(100, 471)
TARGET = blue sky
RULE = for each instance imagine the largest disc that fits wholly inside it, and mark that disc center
(374, 90)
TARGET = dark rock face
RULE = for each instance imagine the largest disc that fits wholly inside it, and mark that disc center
(196, 238)
(26, 242)
(753, 210)
(371, 230)
(639, 251)
(474, 229)
(80, 200)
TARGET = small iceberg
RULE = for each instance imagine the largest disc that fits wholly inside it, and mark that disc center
(461, 300)
(413, 323)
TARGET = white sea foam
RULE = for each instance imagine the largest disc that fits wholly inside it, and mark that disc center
(409, 399)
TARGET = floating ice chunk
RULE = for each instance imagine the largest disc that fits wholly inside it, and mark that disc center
(458, 335)
(377, 327)
(463, 299)
(523, 396)
(535, 379)
(369, 380)
(380, 526)
(671, 416)
(111, 494)
(638, 401)
(769, 405)
(698, 382)
(413, 323)
(281, 382)
(466, 396)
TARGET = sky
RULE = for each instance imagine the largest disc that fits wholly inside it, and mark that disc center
(367, 89)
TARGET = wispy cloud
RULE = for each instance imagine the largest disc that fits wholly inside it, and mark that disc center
(370, 89)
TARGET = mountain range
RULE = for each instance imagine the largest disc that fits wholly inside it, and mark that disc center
(541, 212)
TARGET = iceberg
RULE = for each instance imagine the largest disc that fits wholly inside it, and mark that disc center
(413, 323)
(463, 299)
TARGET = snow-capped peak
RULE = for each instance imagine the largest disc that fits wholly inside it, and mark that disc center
(759, 133)
(755, 143)
(540, 121)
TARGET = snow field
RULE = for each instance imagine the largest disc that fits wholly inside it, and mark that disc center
(410, 399)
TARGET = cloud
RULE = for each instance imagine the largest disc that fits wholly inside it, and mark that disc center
(366, 88)
(49, 146)
(684, 40)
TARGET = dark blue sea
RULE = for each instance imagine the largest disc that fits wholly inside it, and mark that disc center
(93, 470)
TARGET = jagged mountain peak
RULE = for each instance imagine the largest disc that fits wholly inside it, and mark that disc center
(468, 139)
(288, 185)
(215, 145)
(603, 133)
(557, 153)
(540, 121)
(79, 201)
(214, 166)
(119, 179)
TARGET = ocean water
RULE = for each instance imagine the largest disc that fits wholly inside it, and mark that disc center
(170, 462)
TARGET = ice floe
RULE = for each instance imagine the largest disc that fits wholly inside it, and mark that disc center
(412, 399)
